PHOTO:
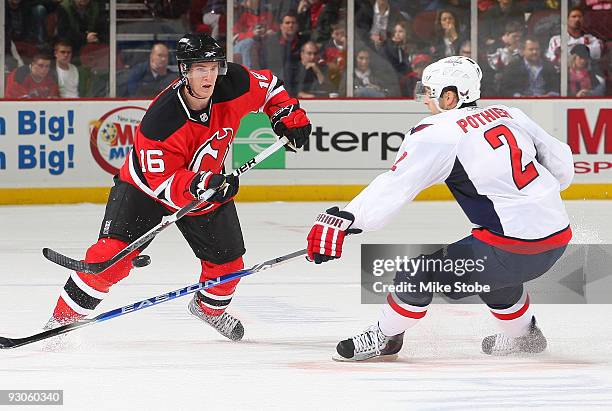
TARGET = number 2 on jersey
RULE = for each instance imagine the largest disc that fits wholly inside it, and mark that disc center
(522, 177)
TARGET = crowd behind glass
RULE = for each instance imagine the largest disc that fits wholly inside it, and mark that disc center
(60, 48)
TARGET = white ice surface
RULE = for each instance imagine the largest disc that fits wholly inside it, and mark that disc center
(162, 358)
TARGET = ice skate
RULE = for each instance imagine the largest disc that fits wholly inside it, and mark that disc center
(500, 344)
(226, 324)
(371, 344)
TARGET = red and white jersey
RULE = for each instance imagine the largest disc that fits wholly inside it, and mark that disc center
(593, 43)
(503, 169)
(173, 142)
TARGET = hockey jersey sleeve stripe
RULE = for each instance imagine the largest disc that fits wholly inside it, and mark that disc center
(276, 86)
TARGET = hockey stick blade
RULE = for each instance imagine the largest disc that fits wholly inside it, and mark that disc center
(97, 268)
(8, 343)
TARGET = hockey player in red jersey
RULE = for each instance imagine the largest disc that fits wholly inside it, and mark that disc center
(505, 172)
(178, 154)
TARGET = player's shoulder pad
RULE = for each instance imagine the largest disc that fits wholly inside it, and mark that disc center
(234, 84)
(163, 117)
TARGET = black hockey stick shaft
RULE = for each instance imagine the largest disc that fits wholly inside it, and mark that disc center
(98, 267)
(6, 343)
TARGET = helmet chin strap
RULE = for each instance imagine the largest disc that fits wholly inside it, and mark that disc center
(190, 91)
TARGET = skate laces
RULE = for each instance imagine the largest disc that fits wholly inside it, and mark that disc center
(504, 343)
(368, 340)
(225, 322)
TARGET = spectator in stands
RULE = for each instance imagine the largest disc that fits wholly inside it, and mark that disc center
(253, 24)
(584, 79)
(282, 50)
(251, 50)
(32, 81)
(366, 84)
(213, 16)
(81, 22)
(531, 75)
(334, 53)
(409, 81)
(384, 18)
(66, 73)
(310, 80)
(575, 23)
(19, 33)
(399, 49)
(448, 35)
(496, 18)
(41, 9)
(466, 49)
(507, 49)
(252, 14)
(282, 7)
(315, 18)
(149, 78)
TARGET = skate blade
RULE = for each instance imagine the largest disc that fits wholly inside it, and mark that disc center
(380, 358)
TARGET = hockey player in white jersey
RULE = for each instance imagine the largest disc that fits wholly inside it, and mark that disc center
(505, 172)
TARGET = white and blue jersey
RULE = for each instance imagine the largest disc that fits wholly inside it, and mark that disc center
(503, 169)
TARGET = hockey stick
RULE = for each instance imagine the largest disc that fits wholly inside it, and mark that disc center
(96, 268)
(6, 343)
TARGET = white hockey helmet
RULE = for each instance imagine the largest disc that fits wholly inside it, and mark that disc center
(458, 71)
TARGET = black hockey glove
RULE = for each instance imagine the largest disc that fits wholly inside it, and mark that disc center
(226, 186)
(292, 122)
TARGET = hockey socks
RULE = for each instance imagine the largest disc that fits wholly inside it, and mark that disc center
(215, 300)
(514, 320)
(83, 292)
(397, 316)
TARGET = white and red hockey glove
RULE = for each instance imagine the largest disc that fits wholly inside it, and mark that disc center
(327, 235)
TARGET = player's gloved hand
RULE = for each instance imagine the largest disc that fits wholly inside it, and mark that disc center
(327, 235)
(226, 186)
(292, 122)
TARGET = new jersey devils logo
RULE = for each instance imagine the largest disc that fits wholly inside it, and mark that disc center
(218, 142)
